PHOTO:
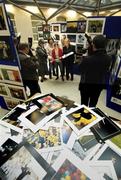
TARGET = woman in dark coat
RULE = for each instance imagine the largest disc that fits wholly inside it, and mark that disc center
(42, 59)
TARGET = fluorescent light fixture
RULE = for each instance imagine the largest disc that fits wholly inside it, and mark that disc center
(114, 10)
(71, 13)
(9, 8)
(32, 9)
(87, 14)
(102, 12)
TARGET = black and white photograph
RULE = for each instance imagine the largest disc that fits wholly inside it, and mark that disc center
(71, 37)
(72, 27)
(63, 28)
(81, 26)
(80, 39)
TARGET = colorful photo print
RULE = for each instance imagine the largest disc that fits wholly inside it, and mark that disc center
(3, 21)
(71, 37)
(17, 92)
(66, 133)
(87, 142)
(95, 26)
(3, 90)
(48, 104)
(11, 119)
(6, 53)
(11, 103)
(45, 140)
(81, 26)
(56, 28)
(80, 38)
(70, 171)
(22, 165)
(46, 28)
(117, 140)
(109, 154)
(11, 74)
(63, 28)
(6, 149)
(71, 27)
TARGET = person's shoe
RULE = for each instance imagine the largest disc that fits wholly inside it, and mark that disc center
(56, 78)
(50, 77)
(72, 79)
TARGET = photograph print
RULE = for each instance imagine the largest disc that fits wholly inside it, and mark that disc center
(11, 75)
(95, 25)
(6, 53)
(72, 27)
(81, 26)
(80, 39)
(71, 37)
(17, 92)
(11, 103)
(56, 28)
(81, 119)
(3, 90)
(23, 164)
(45, 140)
(63, 28)
(3, 22)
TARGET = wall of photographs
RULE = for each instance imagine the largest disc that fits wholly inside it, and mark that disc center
(11, 85)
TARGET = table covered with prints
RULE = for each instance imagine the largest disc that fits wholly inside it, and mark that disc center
(52, 138)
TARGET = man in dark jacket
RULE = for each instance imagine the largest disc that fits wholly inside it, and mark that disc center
(94, 70)
(28, 69)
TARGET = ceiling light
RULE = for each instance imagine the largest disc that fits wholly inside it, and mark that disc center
(32, 9)
(102, 12)
(114, 10)
(9, 8)
(71, 13)
(87, 14)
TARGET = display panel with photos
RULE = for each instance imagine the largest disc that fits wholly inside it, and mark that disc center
(4, 30)
(67, 162)
(95, 25)
(45, 140)
(81, 26)
(17, 92)
(110, 153)
(72, 27)
(10, 120)
(29, 166)
(4, 90)
(11, 74)
(6, 53)
(81, 119)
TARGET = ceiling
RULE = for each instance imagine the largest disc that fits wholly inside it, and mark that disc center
(89, 5)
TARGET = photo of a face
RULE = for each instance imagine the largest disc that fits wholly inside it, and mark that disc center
(22, 165)
(81, 118)
(17, 92)
(80, 39)
(6, 149)
(45, 138)
(81, 27)
(2, 20)
(109, 154)
(5, 49)
(3, 90)
(70, 171)
(71, 27)
(66, 133)
(95, 26)
(56, 28)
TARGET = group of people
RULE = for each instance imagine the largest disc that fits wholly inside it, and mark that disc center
(93, 69)
(52, 54)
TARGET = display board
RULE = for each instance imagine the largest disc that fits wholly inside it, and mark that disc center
(12, 91)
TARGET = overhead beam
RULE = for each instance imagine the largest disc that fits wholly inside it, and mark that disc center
(115, 12)
(61, 8)
(74, 9)
(98, 7)
(40, 9)
(14, 4)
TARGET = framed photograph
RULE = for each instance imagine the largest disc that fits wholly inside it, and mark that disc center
(45, 140)
(56, 27)
(63, 28)
(17, 92)
(6, 53)
(80, 119)
(112, 46)
(46, 28)
(46, 35)
(4, 30)
(40, 28)
(72, 27)
(105, 169)
(81, 27)
(11, 74)
(6, 149)
(11, 121)
(67, 162)
(11, 103)
(71, 37)
(106, 128)
(110, 153)
(25, 163)
(4, 90)
(95, 25)
(40, 35)
(80, 38)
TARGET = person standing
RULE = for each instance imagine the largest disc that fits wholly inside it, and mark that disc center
(42, 59)
(57, 59)
(28, 69)
(94, 70)
(68, 62)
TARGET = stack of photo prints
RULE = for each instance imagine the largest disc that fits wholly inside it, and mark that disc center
(53, 138)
